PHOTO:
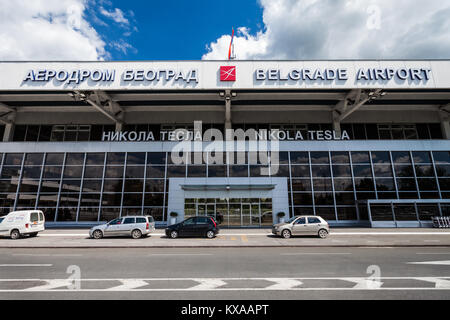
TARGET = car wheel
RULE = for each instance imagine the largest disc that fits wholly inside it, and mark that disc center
(286, 234)
(323, 233)
(34, 234)
(210, 234)
(97, 234)
(136, 234)
(15, 234)
(174, 234)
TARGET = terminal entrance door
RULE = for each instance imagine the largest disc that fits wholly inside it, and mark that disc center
(250, 215)
(232, 212)
(208, 209)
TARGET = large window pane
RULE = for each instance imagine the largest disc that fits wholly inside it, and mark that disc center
(13, 159)
(401, 157)
(427, 211)
(88, 214)
(34, 159)
(54, 159)
(93, 159)
(360, 157)
(381, 212)
(340, 157)
(405, 212)
(380, 157)
(136, 158)
(347, 213)
(319, 158)
(67, 214)
(299, 158)
(421, 157)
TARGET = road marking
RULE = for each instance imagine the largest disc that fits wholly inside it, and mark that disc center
(129, 285)
(51, 284)
(64, 235)
(438, 263)
(432, 240)
(179, 254)
(439, 283)
(208, 284)
(283, 284)
(217, 284)
(45, 255)
(364, 284)
(233, 238)
(433, 253)
(314, 253)
(26, 265)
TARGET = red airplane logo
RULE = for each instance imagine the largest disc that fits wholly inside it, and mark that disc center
(227, 73)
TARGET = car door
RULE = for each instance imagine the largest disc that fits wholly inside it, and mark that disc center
(313, 225)
(188, 227)
(34, 221)
(201, 226)
(299, 227)
(113, 226)
(128, 224)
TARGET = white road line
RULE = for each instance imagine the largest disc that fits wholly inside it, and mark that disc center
(433, 253)
(179, 254)
(26, 265)
(432, 240)
(45, 255)
(315, 253)
(439, 283)
(438, 263)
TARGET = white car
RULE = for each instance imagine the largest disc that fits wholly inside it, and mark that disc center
(19, 223)
(134, 226)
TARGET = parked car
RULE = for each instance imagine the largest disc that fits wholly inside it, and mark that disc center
(20, 223)
(302, 225)
(194, 227)
(134, 226)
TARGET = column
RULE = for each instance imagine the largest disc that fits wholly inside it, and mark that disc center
(9, 132)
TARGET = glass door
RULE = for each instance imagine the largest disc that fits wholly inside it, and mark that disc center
(246, 214)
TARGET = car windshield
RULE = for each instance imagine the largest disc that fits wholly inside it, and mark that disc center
(292, 219)
(1, 220)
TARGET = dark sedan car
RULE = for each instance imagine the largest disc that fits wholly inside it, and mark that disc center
(194, 227)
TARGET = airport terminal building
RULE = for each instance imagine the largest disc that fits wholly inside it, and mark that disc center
(356, 142)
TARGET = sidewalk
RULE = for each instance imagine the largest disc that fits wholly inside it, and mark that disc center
(354, 237)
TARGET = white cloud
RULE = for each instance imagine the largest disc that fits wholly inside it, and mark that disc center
(47, 30)
(344, 29)
(116, 15)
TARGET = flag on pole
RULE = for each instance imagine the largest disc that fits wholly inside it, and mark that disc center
(231, 44)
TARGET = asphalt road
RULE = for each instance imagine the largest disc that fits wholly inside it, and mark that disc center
(226, 273)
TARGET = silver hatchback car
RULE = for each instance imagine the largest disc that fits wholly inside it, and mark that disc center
(134, 226)
(302, 225)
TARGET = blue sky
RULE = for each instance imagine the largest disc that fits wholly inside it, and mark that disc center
(177, 30)
(89, 30)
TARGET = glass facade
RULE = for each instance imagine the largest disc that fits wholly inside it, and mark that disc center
(89, 187)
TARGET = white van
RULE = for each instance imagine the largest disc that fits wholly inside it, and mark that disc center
(19, 223)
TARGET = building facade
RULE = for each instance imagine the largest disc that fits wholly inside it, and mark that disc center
(356, 142)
